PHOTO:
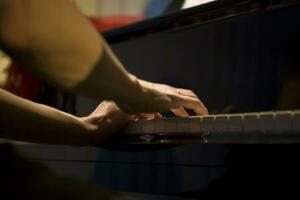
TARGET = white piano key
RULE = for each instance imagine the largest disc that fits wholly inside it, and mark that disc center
(267, 121)
(171, 125)
(182, 125)
(134, 127)
(159, 126)
(195, 124)
(235, 122)
(283, 121)
(250, 122)
(262, 122)
(221, 123)
(147, 126)
(208, 123)
(141, 126)
(296, 121)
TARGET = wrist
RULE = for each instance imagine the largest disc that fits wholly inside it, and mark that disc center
(87, 131)
(135, 96)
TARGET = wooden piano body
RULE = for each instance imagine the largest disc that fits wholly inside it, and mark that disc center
(239, 56)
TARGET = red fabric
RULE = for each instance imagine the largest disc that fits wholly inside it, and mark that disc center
(106, 23)
(22, 83)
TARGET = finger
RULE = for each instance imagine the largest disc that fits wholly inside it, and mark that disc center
(203, 106)
(146, 116)
(105, 107)
(191, 103)
(186, 92)
(158, 116)
(112, 125)
(195, 105)
(134, 118)
(180, 112)
(190, 93)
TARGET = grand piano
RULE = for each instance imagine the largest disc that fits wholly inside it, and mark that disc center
(242, 58)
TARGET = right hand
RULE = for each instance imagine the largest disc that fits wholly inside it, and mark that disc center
(160, 98)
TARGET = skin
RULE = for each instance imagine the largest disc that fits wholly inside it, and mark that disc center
(42, 124)
(59, 45)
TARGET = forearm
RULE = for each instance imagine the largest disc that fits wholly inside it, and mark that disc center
(24, 120)
(51, 37)
(110, 80)
(56, 42)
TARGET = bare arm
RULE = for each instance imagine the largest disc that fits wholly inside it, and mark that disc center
(55, 41)
(24, 120)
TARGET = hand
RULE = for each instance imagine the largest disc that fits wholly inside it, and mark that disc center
(159, 98)
(106, 120)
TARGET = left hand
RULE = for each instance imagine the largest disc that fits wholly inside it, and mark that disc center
(106, 120)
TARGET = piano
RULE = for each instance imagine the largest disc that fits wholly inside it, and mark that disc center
(242, 58)
(281, 127)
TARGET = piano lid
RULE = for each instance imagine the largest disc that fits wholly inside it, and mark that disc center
(212, 11)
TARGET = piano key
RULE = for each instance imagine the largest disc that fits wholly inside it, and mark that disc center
(208, 123)
(283, 120)
(159, 126)
(250, 122)
(221, 123)
(267, 121)
(134, 127)
(271, 123)
(235, 122)
(195, 124)
(296, 121)
(141, 126)
(147, 126)
(171, 125)
(182, 126)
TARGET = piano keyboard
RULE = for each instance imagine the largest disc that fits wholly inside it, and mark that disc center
(280, 127)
